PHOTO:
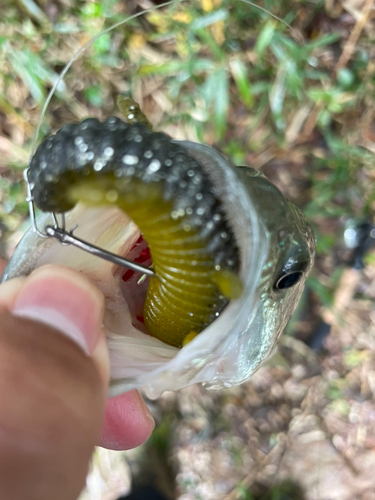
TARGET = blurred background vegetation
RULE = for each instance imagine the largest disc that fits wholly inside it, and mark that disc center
(286, 86)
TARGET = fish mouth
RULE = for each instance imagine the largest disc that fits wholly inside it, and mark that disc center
(171, 198)
(134, 285)
(219, 355)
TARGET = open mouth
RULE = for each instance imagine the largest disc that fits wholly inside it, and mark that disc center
(220, 353)
(134, 285)
(170, 197)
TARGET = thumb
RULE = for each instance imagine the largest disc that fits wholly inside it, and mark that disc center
(53, 376)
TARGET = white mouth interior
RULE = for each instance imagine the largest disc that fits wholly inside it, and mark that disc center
(133, 352)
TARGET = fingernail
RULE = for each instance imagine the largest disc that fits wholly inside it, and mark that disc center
(61, 298)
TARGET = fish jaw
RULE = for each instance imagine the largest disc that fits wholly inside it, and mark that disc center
(224, 354)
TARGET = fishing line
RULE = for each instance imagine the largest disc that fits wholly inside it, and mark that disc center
(267, 12)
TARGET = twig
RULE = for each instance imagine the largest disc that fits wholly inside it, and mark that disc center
(310, 122)
(299, 119)
(276, 454)
(352, 40)
(35, 12)
(13, 153)
(343, 296)
(263, 158)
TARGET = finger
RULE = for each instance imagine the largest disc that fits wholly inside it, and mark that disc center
(127, 423)
(65, 300)
(53, 390)
(53, 412)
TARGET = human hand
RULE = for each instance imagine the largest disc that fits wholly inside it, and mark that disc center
(54, 373)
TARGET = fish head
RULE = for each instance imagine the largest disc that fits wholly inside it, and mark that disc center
(276, 248)
(291, 251)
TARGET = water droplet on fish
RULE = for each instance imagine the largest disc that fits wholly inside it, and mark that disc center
(154, 166)
(108, 152)
(99, 165)
(130, 159)
(78, 140)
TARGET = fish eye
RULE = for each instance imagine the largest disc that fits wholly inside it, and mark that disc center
(288, 280)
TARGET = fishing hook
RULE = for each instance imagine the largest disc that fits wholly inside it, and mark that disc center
(67, 238)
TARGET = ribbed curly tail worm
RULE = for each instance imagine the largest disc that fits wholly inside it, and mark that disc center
(170, 198)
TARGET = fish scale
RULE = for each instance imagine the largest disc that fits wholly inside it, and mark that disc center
(167, 194)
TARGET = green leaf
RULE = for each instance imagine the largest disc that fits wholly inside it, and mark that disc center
(323, 41)
(65, 28)
(93, 10)
(34, 11)
(102, 44)
(260, 87)
(314, 74)
(277, 97)
(324, 295)
(29, 78)
(324, 118)
(265, 37)
(243, 84)
(216, 90)
(94, 95)
(169, 68)
(282, 44)
(221, 98)
(277, 49)
(243, 493)
(208, 89)
(235, 151)
(345, 77)
(211, 43)
(209, 19)
(325, 243)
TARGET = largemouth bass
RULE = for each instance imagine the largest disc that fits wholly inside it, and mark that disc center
(229, 251)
